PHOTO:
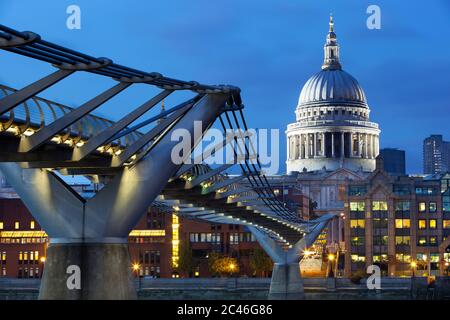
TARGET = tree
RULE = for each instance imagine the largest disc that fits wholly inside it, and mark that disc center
(221, 265)
(260, 263)
(186, 261)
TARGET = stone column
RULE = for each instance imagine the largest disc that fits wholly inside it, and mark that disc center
(309, 145)
(287, 149)
(301, 145)
(359, 144)
(351, 144)
(323, 144)
(366, 143)
(297, 147)
(290, 151)
(304, 156)
(377, 147)
(342, 144)
(332, 145)
(373, 146)
(315, 144)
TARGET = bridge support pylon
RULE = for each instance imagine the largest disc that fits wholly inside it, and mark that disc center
(88, 257)
(286, 282)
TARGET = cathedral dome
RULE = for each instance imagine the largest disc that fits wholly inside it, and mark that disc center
(332, 86)
(333, 128)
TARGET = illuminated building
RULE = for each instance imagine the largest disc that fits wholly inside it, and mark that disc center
(436, 155)
(397, 222)
(154, 243)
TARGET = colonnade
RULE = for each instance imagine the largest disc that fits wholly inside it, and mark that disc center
(328, 144)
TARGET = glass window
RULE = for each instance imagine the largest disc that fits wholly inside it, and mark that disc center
(357, 190)
(403, 257)
(402, 240)
(433, 224)
(357, 258)
(357, 241)
(434, 257)
(422, 207)
(422, 241)
(379, 205)
(422, 224)
(402, 206)
(446, 224)
(425, 191)
(446, 201)
(1, 225)
(433, 241)
(402, 223)
(359, 206)
(401, 189)
(357, 223)
(32, 225)
(16, 225)
(432, 207)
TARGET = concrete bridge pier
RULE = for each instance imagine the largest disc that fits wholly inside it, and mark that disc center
(286, 282)
(88, 253)
(104, 272)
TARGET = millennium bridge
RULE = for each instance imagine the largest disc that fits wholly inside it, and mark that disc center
(41, 141)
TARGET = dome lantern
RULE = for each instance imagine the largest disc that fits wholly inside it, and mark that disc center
(331, 50)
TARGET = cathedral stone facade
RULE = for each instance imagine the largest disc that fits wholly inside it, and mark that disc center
(332, 128)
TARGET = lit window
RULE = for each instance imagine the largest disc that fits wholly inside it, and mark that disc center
(357, 241)
(16, 225)
(358, 206)
(402, 223)
(401, 257)
(357, 224)
(422, 241)
(433, 224)
(434, 258)
(433, 241)
(357, 258)
(32, 225)
(446, 224)
(422, 224)
(379, 206)
(402, 240)
(422, 206)
(1, 225)
(432, 207)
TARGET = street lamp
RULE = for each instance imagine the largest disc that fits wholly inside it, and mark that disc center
(331, 258)
(428, 264)
(232, 267)
(136, 268)
(42, 260)
(307, 253)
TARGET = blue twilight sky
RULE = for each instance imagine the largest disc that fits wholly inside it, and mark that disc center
(267, 48)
